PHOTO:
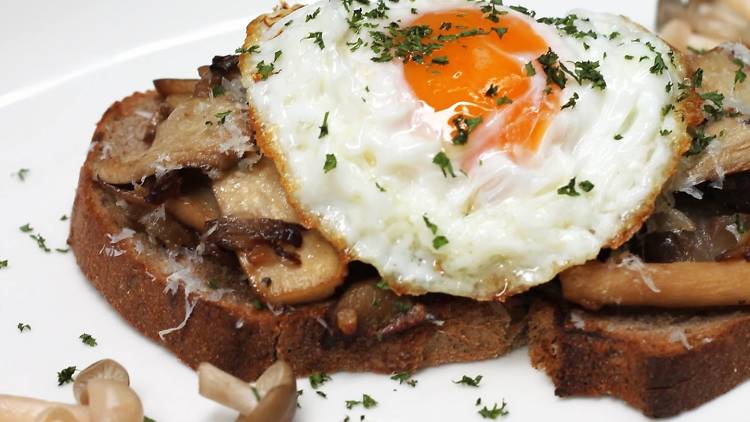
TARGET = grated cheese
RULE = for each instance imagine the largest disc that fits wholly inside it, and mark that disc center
(634, 263)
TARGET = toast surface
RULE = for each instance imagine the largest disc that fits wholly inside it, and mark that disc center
(165, 297)
(661, 362)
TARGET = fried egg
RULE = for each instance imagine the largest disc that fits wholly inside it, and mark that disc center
(465, 147)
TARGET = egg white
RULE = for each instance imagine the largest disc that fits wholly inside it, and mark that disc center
(507, 226)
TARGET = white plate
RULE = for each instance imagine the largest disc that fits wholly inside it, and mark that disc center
(63, 64)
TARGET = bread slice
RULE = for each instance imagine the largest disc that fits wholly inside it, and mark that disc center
(155, 291)
(661, 362)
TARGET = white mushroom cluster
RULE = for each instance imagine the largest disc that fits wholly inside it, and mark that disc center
(704, 25)
(102, 392)
(272, 398)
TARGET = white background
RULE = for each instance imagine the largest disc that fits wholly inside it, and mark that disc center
(63, 63)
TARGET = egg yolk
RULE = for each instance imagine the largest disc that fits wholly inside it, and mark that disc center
(481, 73)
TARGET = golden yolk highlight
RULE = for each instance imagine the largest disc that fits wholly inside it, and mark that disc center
(475, 63)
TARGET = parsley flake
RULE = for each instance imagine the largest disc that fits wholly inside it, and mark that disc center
(324, 127)
(699, 143)
(382, 285)
(464, 126)
(500, 31)
(380, 187)
(64, 217)
(439, 241)
(249, 50)
(404, 378)
(317, 379)
(312, 16)
(317, 38)
(698, 78)
(430, 225)
(469, 381)
(276, 55)
(147, 419)
(618, 137)
(503, 100)
(264, 70)
(367, 401)
(217, 91)
(222, 116)
(88, 340)
(26, 228)
(530, 71)
(570, 188)
(491, 91)
(65, 376)
(3, 263)
(589, 71)
(330, 163)
(495, 412)
(665, 132)
(442, 161)
(41, 242)
(739, 76)
(441, 60)
(571, 102)
(659, 65)
(23, 327)
(21, 174)
(321, 394)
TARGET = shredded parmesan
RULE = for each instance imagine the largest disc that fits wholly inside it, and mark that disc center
(577, 319)
(125, 233)
(189, 306)
(678, 336)
(634, 263)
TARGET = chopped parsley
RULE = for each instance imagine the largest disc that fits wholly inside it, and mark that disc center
(264, 69)
(330, 163)
(382, 285)
(21, 174)
(739, 76)
(430, 225)
(441, 60)
(147, 419)
(367, 401)
(699, 143)
(88, 340)
(380, 187)
(3, 263)
(715, 109)
(66, 375)
(530, 71)
(222, 116)
(659, 65)
(666, 109)
(525, 11)
(464, 126)
(629, 57)
(62, 250)
(439, 241)
(490, 10)
(276, 55)
(321, 394)
(317, 379)
(404, 378)
(698, 78)
(571, 102)
(23, 327)
(312, 16)
(553, 69)
(491, 91)
(64, 217)
(317, 38)
(618, 137)
(669, 86)
(503, 100)
(217, 91)
(354, 46)
(469, 381)
(26, 228)
(413, 43)
(500, 31)
(324, 127)
(589, 71)
(41, 242)
(614, 35)
(493, 413)
(665, 132)
(570, 188)
(249, 50)
(442, 161)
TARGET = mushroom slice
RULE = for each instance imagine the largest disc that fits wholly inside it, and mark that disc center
(728, 153)
(106, 369)
(257, 193)
(113, 401)
(274, 397)
(166, 87)
(720, 67)
(195, 208)
(199, 133)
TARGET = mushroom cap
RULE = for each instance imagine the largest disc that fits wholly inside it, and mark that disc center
(113, 401)
(107, 369)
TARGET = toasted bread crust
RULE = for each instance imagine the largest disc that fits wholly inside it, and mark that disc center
(231, 334)
(595, 354)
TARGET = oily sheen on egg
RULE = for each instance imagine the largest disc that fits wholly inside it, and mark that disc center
(469, 169)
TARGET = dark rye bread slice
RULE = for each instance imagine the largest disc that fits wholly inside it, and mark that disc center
(132, 273)
(661, 362)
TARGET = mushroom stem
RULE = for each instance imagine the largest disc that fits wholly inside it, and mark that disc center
(22, 409)
(221, 387)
